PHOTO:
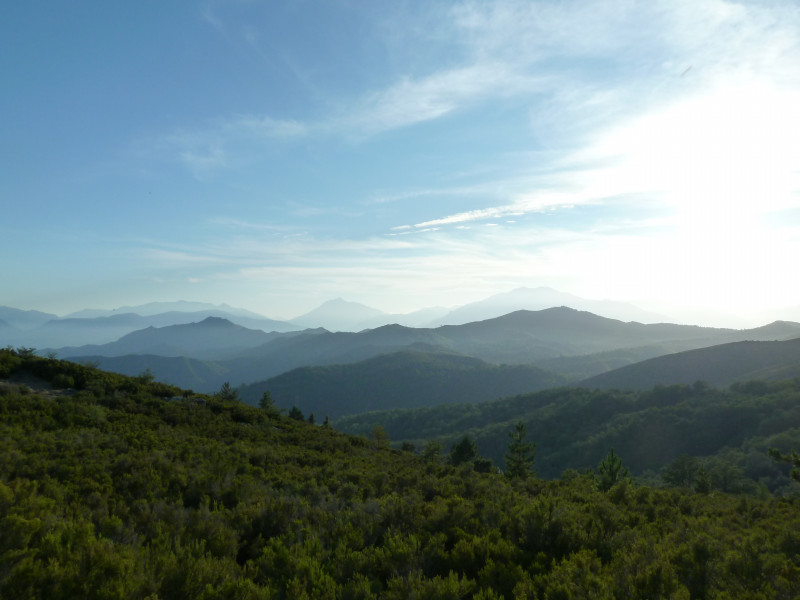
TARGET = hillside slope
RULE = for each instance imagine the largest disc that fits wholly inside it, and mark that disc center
(729, 430)
(718, 365)
(405, 379)
(111, 492)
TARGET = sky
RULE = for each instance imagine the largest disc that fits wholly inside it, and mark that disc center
(401, 154)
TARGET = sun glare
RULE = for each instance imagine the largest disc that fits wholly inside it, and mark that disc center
(720, 163)
(721, 160)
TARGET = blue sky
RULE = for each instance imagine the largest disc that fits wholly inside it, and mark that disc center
(274, 155)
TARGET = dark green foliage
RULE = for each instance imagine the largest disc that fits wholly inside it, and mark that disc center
(682, 471)
(266, 402)
(408, 447)
(379, 436)
(702, 481)
(146, 376)
(521, 454)
(793, 458)
(432, 451)
(114, 492)
(227, 394)
(462, 452)
(296, 414)
(727, 431)
(610, 471)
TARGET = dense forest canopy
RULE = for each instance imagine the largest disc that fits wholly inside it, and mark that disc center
(117, 487)
(726, 432)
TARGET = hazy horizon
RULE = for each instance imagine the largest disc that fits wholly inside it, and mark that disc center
(670, 314)
(273, 156)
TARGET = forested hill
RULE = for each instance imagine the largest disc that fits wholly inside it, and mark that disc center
(406, 379)
(110, 491)
(727, 432)
(718, 365)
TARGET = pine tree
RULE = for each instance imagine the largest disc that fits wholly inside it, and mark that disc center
(521, 454)
(464, 451)
(226, 392)
(610, 471)
(266, 401)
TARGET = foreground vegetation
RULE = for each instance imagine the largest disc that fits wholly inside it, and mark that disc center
(113, 491)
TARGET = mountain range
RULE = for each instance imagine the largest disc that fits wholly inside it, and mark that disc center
(398, 366)
(44, 330)
(565, 344)
(38, 329)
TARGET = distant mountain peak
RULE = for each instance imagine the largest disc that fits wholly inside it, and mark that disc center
(216, 321)
(338, 314)
(540, 298)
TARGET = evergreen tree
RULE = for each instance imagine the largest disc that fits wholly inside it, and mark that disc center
(610, 471)
(702, 481)
(521, 454)
(296, 414)
(266, 401)
(432, 451)
(226, 392)
(464, 451)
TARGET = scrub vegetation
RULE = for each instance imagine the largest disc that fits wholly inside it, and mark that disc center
(120, 487)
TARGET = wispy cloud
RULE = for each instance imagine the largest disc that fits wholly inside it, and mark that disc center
(223, 142)
(582, 61)
(412, 101)
(678, 105)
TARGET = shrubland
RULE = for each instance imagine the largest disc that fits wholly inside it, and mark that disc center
(117, 487)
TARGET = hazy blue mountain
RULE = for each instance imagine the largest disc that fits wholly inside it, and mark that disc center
(777, 330)
(182, 318)
(76, 331)
(403, 379)
(321, 347)
(718, 365)
(24, 319)
(419, 318)
(338, 315)
(211, 338)
(540, 298)
(588, 365)
(156, 308)
(522, 337)
(528, 336)
(100, 330)
(576, 368)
